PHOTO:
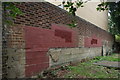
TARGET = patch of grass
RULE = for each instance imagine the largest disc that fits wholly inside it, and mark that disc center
(85, 70)
(89, 70)
(113, 57)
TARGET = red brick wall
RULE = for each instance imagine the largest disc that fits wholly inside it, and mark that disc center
(41, 15)
(13, 52)
(92, 42)
(39, 40)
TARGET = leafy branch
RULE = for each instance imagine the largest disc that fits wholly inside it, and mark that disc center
(102, 6)
(10, 12)
(72, 7)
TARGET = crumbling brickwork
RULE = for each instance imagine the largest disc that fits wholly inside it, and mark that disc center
(13, 52)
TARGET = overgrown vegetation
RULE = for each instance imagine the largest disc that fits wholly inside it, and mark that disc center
(85, 69)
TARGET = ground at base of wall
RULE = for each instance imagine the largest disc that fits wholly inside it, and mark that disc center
(85, 70)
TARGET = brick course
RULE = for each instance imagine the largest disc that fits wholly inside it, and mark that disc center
(43, 14)
(37, 47)
(39, 19)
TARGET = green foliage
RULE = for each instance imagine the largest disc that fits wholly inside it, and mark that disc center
(114, 10)
(10, 11)
(72, 7)
(114, 18)
(112, 28)
(64, 67)
(102, 6)
(89, 70)
(73, 24)
(84, 70)
(113, 57)
(117, 38)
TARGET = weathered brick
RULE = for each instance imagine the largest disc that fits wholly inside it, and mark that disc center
(27, 42)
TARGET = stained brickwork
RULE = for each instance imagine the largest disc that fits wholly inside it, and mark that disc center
(13, 52)
(19, 45)
(43, 14)
(66, 55)
(40, 14)
(37, 58)
(92, 42)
